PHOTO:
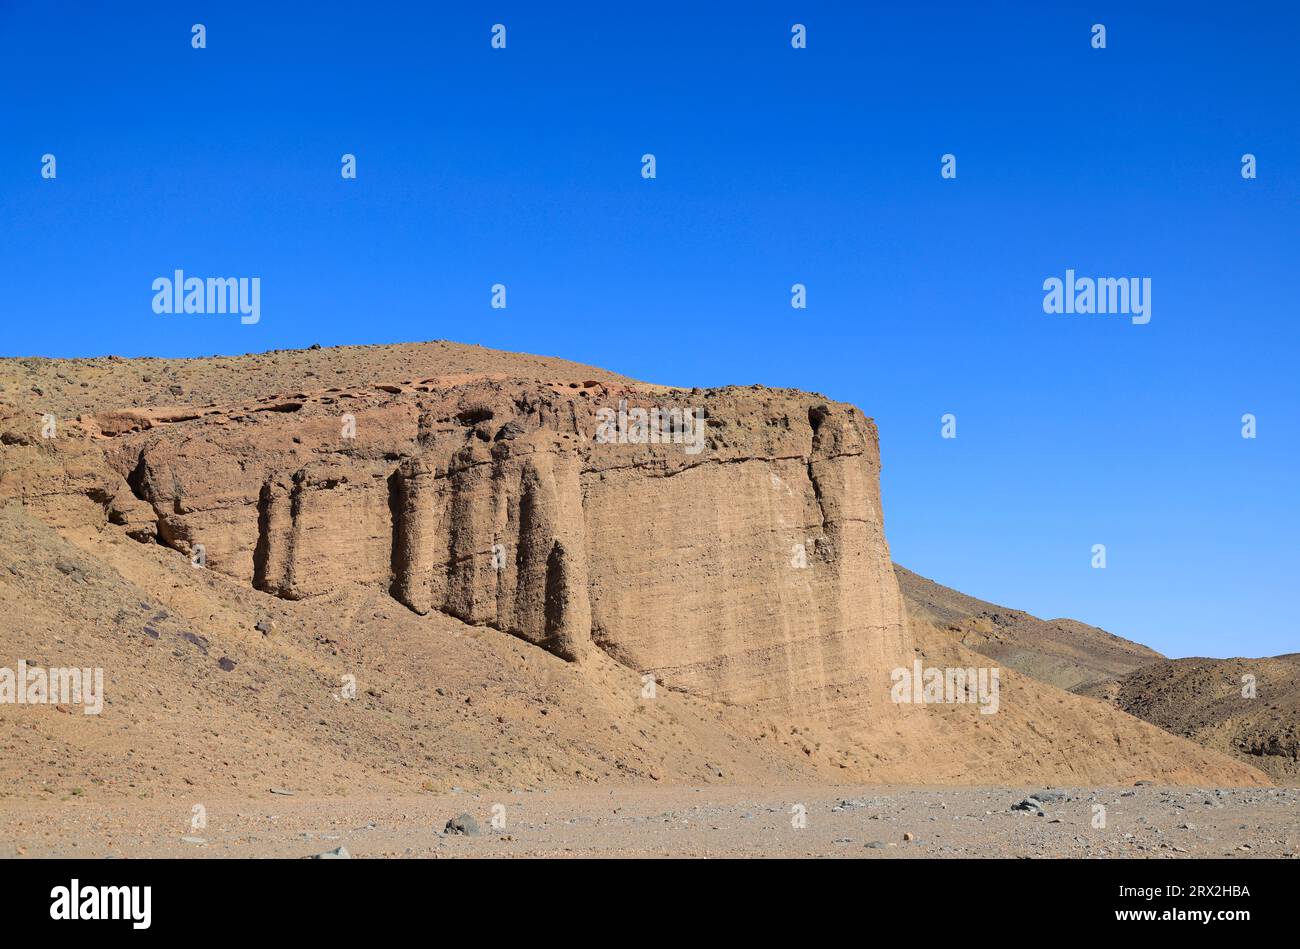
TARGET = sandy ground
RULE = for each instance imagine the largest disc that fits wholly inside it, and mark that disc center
(873, 822)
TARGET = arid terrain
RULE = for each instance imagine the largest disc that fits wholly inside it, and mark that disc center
(1061, 652)
(1202, 699)
(337, 588)
(721, 820)
(1246, 708)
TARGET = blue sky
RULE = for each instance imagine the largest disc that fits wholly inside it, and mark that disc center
(775, 166)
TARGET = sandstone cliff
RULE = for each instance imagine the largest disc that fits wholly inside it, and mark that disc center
(726, 545)
(741, 557)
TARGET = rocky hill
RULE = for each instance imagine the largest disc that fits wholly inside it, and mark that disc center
(1206, 700)
(1063, 652)
(1248, 708)
(535, 572)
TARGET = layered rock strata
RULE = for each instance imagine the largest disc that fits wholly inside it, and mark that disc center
(728, 542)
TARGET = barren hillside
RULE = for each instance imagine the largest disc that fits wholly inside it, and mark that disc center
(1062, 652)
(1248, 708)
(1200, 699)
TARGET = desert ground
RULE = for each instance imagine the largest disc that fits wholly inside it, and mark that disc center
(714, 821)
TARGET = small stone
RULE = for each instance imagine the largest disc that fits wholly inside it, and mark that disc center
(464, 824)
(196, 641)
(909, 836)
(1029, 804)
(509, 431)
(338, 853)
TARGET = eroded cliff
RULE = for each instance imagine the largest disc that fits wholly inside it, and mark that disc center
(389, 504)
(728, 542)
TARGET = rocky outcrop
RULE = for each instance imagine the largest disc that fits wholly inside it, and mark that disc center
(724, 545)
(727, 542)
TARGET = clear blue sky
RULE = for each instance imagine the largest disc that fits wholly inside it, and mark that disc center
(775, 166)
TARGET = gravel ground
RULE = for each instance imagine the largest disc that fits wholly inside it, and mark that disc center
(872, 822)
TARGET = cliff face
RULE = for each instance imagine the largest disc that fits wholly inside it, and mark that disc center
(728, 542)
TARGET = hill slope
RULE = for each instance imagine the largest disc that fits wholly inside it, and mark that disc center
(441, 704)
(1248, 708)
(1062, 652)
(1198, 699)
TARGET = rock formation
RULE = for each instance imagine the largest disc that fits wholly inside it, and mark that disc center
(736, 551)
(388, 505)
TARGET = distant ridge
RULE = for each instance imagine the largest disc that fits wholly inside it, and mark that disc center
(1062, 652)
